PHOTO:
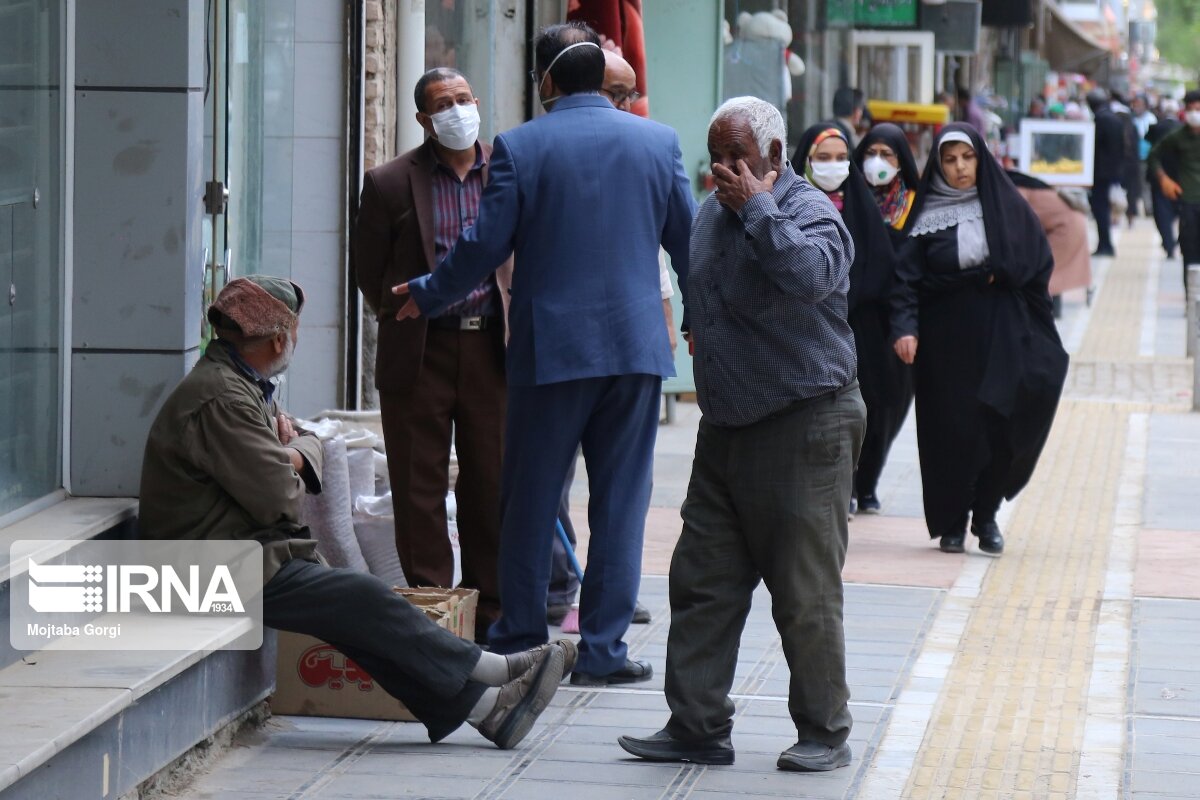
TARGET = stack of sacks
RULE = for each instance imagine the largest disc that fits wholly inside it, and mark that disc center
(329, 515)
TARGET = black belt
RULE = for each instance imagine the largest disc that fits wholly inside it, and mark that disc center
(463, 323)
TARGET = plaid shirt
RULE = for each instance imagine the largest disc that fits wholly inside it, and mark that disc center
(455, 207)
(767, 302)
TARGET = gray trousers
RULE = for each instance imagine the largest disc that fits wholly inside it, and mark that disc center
(424, 666)
(766, 502)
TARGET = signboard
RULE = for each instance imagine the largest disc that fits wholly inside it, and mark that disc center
(1059, 152)
(871, 13)
(955, 26)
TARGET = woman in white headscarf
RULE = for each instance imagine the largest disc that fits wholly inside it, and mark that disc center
(972, 313)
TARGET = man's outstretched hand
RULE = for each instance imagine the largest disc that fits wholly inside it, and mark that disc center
(409, 310)
(734, 190)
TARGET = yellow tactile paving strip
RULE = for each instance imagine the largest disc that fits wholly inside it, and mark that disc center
(1010, 717)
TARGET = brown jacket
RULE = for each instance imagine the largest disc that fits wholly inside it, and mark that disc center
(214, 467)
(1066, 229)
(394, 243)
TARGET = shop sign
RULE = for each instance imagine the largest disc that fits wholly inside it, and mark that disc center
(871, 13)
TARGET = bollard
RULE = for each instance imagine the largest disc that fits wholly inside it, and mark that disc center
(1194, 313)
(1191, 292)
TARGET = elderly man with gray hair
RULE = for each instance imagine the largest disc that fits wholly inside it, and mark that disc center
(783, 423)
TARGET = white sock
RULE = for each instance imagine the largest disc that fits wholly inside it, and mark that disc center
(492, 669)
(484, 707)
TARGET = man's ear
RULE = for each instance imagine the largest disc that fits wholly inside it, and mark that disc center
(775, 155)
(279, 342)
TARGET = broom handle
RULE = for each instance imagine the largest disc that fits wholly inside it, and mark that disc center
(566, 543)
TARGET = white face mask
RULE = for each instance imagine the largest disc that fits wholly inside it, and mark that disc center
(1193, 118)
(879, 171)
(829, 175)
(458, 126)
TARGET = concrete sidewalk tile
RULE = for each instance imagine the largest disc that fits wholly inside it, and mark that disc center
(381, 787)
(1166, 563)
(622, 771)
(554, 790)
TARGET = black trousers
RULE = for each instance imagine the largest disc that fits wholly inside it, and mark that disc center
(424, 666)
(1166, 212)
(766, 502)
(1102, 211)
(1189, 236)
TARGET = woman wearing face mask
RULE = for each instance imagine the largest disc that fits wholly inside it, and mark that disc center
(887, 163)
(972, 312)
(824, 157)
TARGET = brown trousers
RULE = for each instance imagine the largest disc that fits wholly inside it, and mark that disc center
(461, 392)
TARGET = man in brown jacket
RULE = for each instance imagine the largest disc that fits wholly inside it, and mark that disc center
(445, 373)
(223, 461)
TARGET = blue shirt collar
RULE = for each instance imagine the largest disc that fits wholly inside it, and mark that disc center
(265, 386)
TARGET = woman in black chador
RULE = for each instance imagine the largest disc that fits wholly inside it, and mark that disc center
(971, 311)
(823, 157)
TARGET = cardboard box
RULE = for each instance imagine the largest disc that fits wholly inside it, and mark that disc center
(313, 679)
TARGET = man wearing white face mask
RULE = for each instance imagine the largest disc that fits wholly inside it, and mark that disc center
(446, 372)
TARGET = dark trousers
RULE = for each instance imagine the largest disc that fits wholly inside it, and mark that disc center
(424, 666)
(1189, 236)
(616, 420)
(459, 391)
(1166, 212)
(1102, 211)
(564, 583)
(766, 501)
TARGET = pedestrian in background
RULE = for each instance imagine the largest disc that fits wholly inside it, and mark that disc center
(1166, 212)
(439, 378)
(972, 292)
(1106, 172)
(588, 349)
(781, 428)
(1180, 149)
(886, 383)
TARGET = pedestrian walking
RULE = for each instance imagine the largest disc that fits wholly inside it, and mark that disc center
(972, 293)
(1181, 149)
(886, 384)
(782, 425)
(1109, 159)
(588, 348)
(1166, 212)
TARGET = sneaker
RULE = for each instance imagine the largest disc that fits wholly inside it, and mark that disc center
(521, 701)
(869, 504)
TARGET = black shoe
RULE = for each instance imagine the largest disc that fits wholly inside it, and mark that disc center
(662, 746)
(953, 543)
(814, 757)
(990, 540)
(869, 504)
(641, 614)
(556, 614)
(632, 672)
(1104, 251)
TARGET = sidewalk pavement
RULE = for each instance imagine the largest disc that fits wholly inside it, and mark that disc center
(1068, 668)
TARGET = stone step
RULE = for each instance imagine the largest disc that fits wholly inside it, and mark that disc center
(96, 724)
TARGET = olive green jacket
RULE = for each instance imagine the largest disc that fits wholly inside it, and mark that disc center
(214, 467)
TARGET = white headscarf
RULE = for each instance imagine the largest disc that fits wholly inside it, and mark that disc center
(947, 207)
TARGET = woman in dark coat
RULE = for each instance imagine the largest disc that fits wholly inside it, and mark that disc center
(972, 312)
(823, 157)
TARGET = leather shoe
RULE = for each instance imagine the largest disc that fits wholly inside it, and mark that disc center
(869, 504)
(632, 672)
(814, 757)
(556, 614)
(522, 700)
(662, 746)
(953, 543)
(641, 614)
(990, 539)
(522, 662)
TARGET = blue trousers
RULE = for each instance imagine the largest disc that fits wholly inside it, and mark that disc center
(616, 421)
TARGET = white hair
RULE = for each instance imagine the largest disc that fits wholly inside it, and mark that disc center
(764, 119)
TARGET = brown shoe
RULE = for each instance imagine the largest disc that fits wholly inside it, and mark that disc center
(521, 701)
(522, 662)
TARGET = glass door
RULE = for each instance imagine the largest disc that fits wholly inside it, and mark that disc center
(31, 299)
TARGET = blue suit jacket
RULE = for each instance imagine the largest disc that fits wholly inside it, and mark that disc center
(583, 196)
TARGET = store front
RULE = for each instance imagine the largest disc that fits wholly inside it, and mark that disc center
(31, 251)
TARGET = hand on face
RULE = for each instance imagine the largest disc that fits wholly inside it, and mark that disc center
(734, 189)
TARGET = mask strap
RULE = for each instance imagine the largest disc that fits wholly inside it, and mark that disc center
(554, 61)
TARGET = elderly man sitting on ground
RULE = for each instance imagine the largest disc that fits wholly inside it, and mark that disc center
(224, 462)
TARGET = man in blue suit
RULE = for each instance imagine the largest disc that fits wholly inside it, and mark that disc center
(583, 196)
